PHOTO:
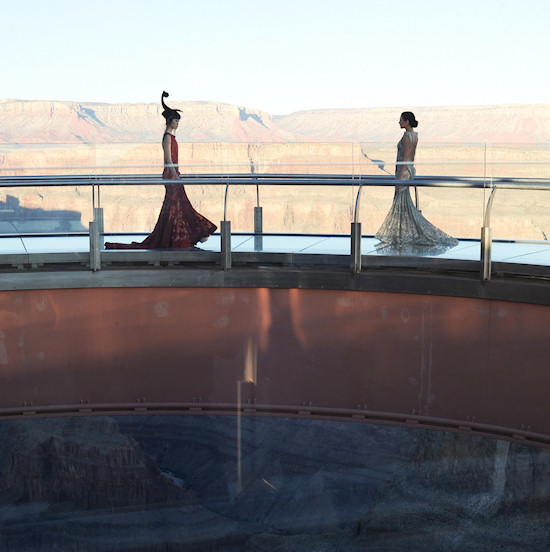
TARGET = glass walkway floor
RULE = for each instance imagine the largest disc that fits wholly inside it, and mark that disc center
(521, 252)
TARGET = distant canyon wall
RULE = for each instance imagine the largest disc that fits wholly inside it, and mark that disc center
(72, 122)
(315, 209)
(38, 138)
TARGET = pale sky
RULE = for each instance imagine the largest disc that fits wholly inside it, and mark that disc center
(277, 55)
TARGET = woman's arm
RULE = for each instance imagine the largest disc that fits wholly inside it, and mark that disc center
(167, 149)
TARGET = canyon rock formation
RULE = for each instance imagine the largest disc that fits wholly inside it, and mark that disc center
(201, 483)
(26, 122)
(510, 124)
(81, 484)
(67, 138)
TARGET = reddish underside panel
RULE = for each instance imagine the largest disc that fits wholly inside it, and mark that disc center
(434, 356)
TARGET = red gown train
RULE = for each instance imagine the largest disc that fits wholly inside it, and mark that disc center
(178, 225)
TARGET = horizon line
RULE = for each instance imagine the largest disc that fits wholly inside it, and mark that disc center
(243, 106)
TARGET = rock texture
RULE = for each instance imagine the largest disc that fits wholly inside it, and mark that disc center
(314, 486)
(70, 122)
(53, 122)
(81, 484)
(63, 138)
(200, 483)
(87, 463)
(511, 124)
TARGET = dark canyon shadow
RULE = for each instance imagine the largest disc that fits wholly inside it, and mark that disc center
(197, 482)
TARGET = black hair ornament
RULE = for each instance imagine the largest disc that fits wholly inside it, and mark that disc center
(169, 114)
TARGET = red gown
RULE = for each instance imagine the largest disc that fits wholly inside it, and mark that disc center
(178, 225)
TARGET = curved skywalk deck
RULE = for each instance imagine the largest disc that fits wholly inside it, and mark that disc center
(478, 345)
(429, 341)
(520, 270)
(360, 252)
(24, 250)
(414, 341)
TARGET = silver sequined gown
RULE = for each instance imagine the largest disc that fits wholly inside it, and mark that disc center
(404, 227)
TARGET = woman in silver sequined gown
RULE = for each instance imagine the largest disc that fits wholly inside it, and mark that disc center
(405, 229)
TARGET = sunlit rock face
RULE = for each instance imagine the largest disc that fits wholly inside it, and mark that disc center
(149, 483)
(69, 138)
(51, 122)
(512, 124)
(72, 122)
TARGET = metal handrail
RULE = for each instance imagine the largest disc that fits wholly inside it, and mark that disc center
(290, 179)
(258, 179)
(269, 179)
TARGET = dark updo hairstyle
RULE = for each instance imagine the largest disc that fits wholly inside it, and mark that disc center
(169, 114)
(409, 116)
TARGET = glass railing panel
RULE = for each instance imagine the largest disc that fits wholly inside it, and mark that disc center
(521, 214)
(455, 208)
(518, 161)
(132, 207)
(43, 159)
(293, 209)
(46, 209)
(47, 196)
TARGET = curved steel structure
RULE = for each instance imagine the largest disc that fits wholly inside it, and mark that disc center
(412, 341)
(469, 364)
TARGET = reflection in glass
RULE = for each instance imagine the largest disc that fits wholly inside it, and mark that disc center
(173, 483)
(412, 250)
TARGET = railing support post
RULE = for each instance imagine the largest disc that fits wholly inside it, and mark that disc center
(356, 247)
(95, 255)
(486, 253)
(225, 230)
(258, 229)
(98, 219)
(417, 198)
(486, 239)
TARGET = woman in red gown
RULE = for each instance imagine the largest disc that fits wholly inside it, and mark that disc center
(178, 225)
